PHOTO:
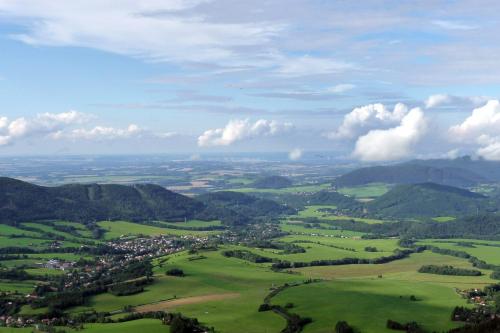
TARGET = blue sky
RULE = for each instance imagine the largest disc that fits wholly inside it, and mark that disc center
(214, 75)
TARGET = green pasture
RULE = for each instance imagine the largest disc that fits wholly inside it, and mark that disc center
(298, 228)
(116, 229)
(291, 189)
(443, 218)
(82, 230)
(490, 254)
(34, 243)
(404, 270)
(368, 304)
(7, 230)
(365, 191)
(211, 276)
(193, 223)
(24, 287)
(48, 228)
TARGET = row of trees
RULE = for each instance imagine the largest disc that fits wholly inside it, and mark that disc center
(449, 270)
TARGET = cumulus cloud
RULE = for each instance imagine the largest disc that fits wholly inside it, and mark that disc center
(41, 124)
(482, 128)
(393, 143)
(441, 100)
(295, 154)
(99, 133)
(484, 120)
(68, 125)
(237, 130)
(363, 119)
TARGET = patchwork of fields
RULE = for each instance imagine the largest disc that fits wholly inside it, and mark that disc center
(226, 292)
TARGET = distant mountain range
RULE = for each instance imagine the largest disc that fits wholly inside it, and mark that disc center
(461, 172)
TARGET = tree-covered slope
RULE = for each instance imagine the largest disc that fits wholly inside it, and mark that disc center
(410, 173)
(272, 182)
(21, 201)
(239, 206)
(428, 200)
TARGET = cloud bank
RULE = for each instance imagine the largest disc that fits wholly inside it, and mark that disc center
(482, 127)
(238, 130)
(368, 117)
(393, 143)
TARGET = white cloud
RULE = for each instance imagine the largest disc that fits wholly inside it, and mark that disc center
(368, 117)
(237, 130)
(440, 100)
(341, 88)
(41, 124)
(484, 120)
(153, 29)
(436, 100)
(481, 128)
(393, 143)
(66, 125)
(100, 133)
(295, 154)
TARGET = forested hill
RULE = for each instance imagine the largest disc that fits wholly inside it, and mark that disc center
(22, 201)
(429, 199)
(411, 173)
(272, 182)
(490, 170)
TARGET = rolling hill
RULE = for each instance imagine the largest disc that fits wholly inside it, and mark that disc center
(22, 201)
(410, 173)
(429, 200)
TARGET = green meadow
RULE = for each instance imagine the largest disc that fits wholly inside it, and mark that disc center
(291, 189)
(365, 191)
(368, 304)
(318, 211)
(192, 224)
(116, 229)
(490, 254)
(296, 227)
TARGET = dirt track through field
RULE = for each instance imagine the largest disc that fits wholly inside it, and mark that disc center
(167, 305)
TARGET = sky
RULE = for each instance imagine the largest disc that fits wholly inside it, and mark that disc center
(368, 80)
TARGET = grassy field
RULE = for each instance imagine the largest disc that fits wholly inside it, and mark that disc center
(367, 304)
(34, 243)
(443, 218)
(141, 325)
(7, 230)
(365, 191)
(193, 223)
(82, 230)
(20, 286)
(48, 228)
(317, 252)
(403, 270)
(490, 254)
(115, 229)
(291, 189)
(215, 275)
(299, 228)
(316, 211)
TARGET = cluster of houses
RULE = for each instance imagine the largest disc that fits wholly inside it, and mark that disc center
(57, 264)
